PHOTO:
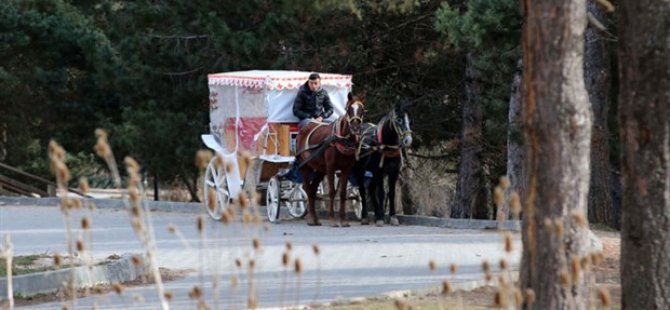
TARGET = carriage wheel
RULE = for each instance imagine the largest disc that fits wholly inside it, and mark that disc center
(321, 196)
(272, 200)
(297, 206)
(356, 204)
(215, 187)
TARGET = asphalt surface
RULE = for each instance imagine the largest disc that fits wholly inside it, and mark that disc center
(358, 261)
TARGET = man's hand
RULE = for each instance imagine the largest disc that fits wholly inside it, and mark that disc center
(319, 119)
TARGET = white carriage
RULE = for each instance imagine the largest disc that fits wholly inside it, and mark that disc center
(251, 116)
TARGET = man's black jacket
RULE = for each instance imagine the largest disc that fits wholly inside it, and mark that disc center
(309, 104)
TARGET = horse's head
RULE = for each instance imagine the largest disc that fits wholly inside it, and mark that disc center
(354, 113)
(401, 123)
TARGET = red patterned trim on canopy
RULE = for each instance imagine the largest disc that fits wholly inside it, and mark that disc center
(276, 83)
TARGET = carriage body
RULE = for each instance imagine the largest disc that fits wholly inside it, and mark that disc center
(244, 104)
(251, 115)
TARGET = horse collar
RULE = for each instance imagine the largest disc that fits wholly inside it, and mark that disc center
(309, 136)
(338, 130)
(388, 150)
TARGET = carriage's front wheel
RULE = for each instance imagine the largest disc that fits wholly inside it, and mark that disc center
(215, 186)
(272, 200)
(356, 202)
(298, 201)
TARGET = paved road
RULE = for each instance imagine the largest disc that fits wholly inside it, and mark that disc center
(354, 262)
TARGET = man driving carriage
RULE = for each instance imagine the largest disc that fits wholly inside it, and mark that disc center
(312, 102)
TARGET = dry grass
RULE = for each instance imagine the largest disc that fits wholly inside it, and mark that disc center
(432, 187)
(606, 274)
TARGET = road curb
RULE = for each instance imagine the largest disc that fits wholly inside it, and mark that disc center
(194, 207)
(121, 270)
(457, 223)
(167, 206)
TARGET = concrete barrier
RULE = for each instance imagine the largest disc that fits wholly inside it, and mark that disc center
(121, 270)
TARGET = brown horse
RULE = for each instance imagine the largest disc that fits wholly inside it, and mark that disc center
(338, 142)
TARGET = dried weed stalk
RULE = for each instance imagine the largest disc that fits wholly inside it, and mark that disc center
(136, 203)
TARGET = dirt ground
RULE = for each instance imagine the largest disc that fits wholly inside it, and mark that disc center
(606, 277)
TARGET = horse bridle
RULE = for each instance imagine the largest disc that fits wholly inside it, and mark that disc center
(355, 117)
(381, 147)
(401, 134)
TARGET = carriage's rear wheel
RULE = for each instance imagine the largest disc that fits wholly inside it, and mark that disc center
(215, 185)
(272, 199)
(298, 202)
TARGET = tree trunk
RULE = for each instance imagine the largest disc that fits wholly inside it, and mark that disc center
(407, 199)
(470, 201)
(514, 141)
(644, 108)
(3, 141)
(597, 80)
(557, 127)
(191, 185)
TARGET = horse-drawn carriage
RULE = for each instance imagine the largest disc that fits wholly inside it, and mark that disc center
(253, 130)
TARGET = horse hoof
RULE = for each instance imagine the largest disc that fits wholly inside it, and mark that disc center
(313, 223)
(394, 221)
(379, 223)
(345, 224)
(365, 221)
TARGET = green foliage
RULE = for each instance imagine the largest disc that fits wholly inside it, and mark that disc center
(481, 24)
(491, 31)
(21, 265)
(54, 77)
(139, 68)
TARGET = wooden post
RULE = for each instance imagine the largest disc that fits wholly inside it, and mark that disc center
(156, 187)
(283, 139)
(271, 140)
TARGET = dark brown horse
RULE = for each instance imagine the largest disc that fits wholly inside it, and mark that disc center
(337, 149)
(381, 153)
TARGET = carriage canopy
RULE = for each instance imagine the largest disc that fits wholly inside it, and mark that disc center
(243, 103)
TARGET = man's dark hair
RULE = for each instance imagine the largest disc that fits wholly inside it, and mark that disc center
(314, 76)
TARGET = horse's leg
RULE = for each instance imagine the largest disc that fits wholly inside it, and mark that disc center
(344, 178)
(330, 174)
(392, 179)
(331, 195)
(375, 187)
(310, 189)
(318, 177)
(359, 174)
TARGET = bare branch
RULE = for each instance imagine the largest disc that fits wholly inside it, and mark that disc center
(596, 23)
(609, 7)
(182, 72)
(184, 37)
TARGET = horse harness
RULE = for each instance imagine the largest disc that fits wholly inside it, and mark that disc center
(342, 142)
(390, 151)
